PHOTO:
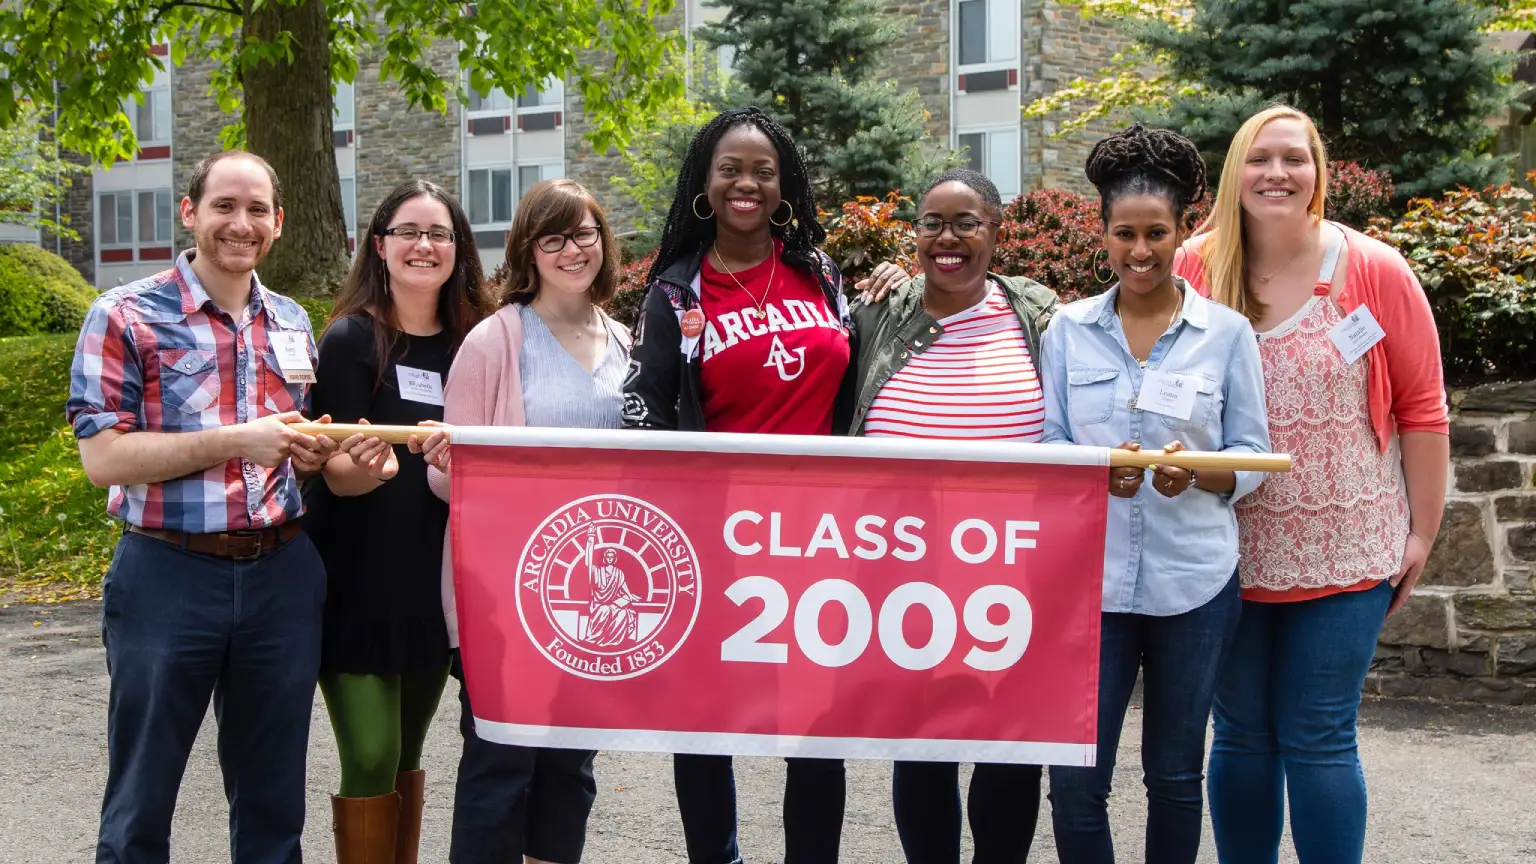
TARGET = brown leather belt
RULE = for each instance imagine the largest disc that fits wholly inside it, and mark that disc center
(239, 545)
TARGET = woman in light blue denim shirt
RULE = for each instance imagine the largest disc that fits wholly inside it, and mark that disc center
(1150, 363)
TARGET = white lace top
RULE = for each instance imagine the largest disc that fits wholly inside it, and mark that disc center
(1340, 516)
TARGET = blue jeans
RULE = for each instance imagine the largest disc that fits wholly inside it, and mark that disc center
(814, 792)
(1179, 657)
(181, 628)
(512, 801)
(1004, 806)
(1285, 716)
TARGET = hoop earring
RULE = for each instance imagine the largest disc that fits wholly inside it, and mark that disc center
(1105, 280)
(695, 208)
(787, 220)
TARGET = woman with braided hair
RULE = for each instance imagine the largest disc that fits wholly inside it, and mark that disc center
(745, 329)
(1151, 363)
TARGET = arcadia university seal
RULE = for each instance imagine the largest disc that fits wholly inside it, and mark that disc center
(608, 587)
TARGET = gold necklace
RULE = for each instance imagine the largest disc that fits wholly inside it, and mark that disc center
(772, 271)
(1171, 318)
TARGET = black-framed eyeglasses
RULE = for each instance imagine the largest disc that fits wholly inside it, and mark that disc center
(932, 226)
(410, 234)
(583, 237)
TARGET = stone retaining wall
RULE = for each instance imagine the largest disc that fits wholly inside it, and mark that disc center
(1469, 631)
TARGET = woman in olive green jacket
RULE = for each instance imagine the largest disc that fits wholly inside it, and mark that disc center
(951, 355)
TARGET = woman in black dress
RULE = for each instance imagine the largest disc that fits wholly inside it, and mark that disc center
(413, 293)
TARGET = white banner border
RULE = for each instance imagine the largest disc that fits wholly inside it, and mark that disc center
(742, 744)
(782, 445)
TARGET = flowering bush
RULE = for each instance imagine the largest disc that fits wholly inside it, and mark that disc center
(867, 231)
(1052, 236)
(1475, 254)
(626, 302)
(1356, 195)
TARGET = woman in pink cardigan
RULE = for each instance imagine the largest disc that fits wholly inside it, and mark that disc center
(548, 357)
(1353, 385)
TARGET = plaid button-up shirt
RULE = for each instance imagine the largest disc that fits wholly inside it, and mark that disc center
(158, 356)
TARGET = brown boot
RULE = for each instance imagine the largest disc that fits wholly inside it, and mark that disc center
(365, 828)
(411, 786)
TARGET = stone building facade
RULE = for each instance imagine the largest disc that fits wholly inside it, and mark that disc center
(1469, 631)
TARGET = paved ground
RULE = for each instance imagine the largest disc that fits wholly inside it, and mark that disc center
(1448, 784)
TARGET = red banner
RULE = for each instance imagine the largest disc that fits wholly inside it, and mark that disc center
(797, 597)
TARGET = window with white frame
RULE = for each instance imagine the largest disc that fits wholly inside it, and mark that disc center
(134, 220)
(349, 204)
(987, 33)
(995, 153)
(490, 196)
(529, 175)
(494, 102)
(150, 119)
(550, 96)
(344, 106)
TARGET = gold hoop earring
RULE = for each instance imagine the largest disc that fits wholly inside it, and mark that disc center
(787, 219)
(695, 208)
(1105, 280)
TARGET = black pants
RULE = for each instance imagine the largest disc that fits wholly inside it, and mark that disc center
(1004, 806)
(814, 792)
(513, 801)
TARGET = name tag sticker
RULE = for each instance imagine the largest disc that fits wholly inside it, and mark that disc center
(1356, 334)
(1167, 393)
(292, 351)
(420, 385)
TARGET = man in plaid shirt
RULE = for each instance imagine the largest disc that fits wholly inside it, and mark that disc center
(181, 392)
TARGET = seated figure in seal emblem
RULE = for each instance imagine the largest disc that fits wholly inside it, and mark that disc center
(612, 618)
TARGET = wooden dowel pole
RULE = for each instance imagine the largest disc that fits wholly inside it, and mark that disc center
(390, 434)
(1271, 462)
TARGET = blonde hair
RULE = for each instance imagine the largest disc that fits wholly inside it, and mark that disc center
(1225, 252)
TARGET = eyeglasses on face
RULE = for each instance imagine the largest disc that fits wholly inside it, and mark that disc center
(410, 234)
(553, 243)
(932, 226)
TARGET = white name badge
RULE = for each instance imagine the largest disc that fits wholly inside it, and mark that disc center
(292, 351)
(1356, 334)
(1167, 393)
(420, 385)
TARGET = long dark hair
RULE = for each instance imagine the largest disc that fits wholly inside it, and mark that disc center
(551, 207)
(685, 233)
(461, 303)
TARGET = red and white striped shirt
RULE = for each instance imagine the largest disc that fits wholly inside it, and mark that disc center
(976, 382)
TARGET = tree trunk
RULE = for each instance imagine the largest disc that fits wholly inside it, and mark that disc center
(288, 123)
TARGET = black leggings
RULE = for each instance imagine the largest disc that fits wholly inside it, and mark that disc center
(1004, 806)
(814, 793)
(513, 801)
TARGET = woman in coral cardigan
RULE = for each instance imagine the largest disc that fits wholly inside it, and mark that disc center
(1353, 383)
(548, 357)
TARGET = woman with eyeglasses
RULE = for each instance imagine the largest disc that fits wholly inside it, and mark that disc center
(413, 294)
(549, 356)
(950, 355)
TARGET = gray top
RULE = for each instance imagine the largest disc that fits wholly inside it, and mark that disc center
(557, 391)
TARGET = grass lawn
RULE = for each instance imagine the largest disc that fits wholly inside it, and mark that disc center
(55, 536)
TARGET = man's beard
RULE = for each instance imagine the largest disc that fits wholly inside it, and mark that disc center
(214, 253)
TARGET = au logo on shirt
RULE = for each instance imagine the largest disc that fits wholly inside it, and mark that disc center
(778, 356)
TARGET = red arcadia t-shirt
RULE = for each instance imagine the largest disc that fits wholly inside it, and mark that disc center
(775, 373)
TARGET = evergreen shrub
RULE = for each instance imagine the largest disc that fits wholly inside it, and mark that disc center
(40, 292)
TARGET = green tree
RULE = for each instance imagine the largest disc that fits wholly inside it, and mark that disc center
(34, 175)
(1406, 87)
(276, 60)
(815, 66)
(656, 151)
